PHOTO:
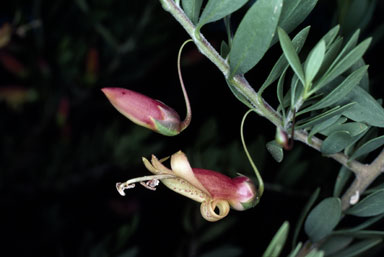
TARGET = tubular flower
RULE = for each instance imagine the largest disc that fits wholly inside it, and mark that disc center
(150, 113)
(144, 111)
(215, 191)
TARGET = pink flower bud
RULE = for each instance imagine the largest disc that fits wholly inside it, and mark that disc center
(144, 111)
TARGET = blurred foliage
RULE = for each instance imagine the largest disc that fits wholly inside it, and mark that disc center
(63, 147)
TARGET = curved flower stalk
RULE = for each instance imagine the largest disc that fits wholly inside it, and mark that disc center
(215, 191)
(148, 112)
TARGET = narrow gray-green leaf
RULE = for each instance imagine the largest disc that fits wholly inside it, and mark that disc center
(362, 233)
(366, 109)
(341, 180)
(321, 126)
(345, 63)
(295, 251)
(303, 214)
(278, 241)
(353, 128)
(239, 96)
(280, 91)
(335, 243)
(192, 9)
(336, 142)
(291, 54)
(347, 48)
(323, 116)
(368, 147)
(314, 61)
(281, 64)
(370, 206)
(331, 35)
(340, 91)
(254, 34)
(293, 13)
(275, 150)
(323, 219)
(216, 10)
(357, 248)
(362, 226)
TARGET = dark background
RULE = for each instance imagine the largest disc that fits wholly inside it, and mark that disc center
(63, 146)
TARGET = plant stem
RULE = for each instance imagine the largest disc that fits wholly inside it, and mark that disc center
(365, 174)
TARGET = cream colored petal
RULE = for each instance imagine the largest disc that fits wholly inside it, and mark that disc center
(184, 188)
(158, 167)
(149, 166)
(207, 209)
(181, 167)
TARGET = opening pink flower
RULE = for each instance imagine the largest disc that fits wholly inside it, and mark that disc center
(215, 191)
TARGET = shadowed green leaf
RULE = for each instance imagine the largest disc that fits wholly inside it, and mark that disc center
(303, 214)
(341, 180)
(291, 54)
(254, 34)
(353, 128)
(322, 126)
(216, 10)
(276, 246)
(336, 142)
(357, 248)
(368, 147)
(323, 219)
(192, 9)
(335, 243)
(370, 206)
(275, 150)
(293, 13)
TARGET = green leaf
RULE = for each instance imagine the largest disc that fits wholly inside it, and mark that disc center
(254, 34)
(340, 91)
(323, 125)
(347, 48)
(331, 35)
(294, 12)
(239, 96)
(323, 219)
(336, 142)
(192, 9)
(323, 116)
(295, 251)
(330, 55)
(370, 206)
(303, 214)
(291, 54)
(224, 49)
(366, 109)
(335, 244)
(363, 225)
(275, 150)
(357, 248)
(280, 91)
(341, 180)
(314, 61)
(353, 128)
(282, 64)
(315, 253)
(362, 233)
(278, 241)
(368, 147)
(216, 10)
(345, 63)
